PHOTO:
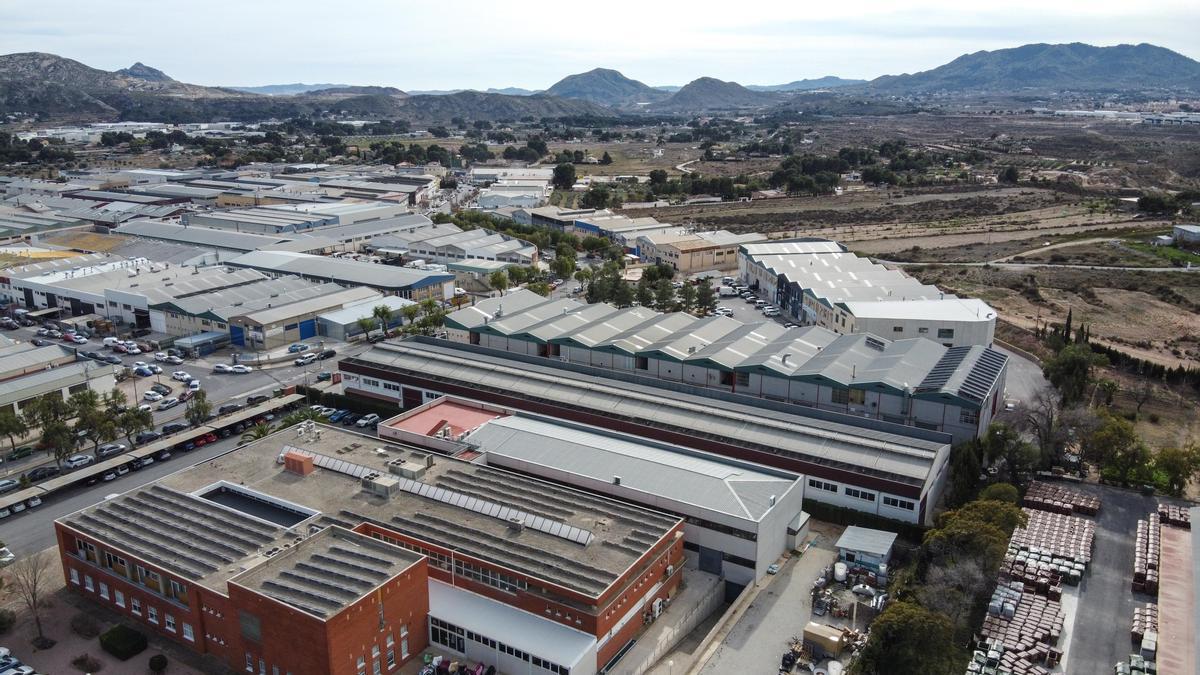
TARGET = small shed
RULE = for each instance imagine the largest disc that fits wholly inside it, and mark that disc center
(822, 641)
(202, 343)
(865, 547)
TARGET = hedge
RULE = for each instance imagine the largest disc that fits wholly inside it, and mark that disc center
(839, 515)
(123, 642)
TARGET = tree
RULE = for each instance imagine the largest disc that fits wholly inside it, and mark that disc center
(58, 438)
(384, 314)
(1004, 442)
(499, 281)
(12, 426)
(92, 421)
(706, 297)
(606, 159)
(644, 294)
(1109, 388)
(563, 265)
(664, 295)
(1040, 417)
(31, 578)
(1070, 371)
(1010, 175)
(1178, 466)
(687, 297)
(542, 288)
(198, 409)
(1001, 492)
(966, 464)
(907, 638)
(257, 432)
(1143, 393)
(365, 324)
(584, 277)
(658, 178)
(133, 421)
(158, 664)
(564, 176)
(410, 312)
(302, 415)
(598, 197)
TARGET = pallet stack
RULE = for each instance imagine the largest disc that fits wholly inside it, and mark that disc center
(1145, 556)
(1058, 499)
(1054, 534)
(1020, 633)
(1174, 515)
(1145, 620)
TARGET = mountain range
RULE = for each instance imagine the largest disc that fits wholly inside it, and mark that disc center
(54, 86)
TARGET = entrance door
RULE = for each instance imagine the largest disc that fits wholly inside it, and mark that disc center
(711, 560)
(308, 329)
(237, 335)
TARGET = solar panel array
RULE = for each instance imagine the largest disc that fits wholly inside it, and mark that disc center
(945, 369)
(454, 498)
(982, 375)
(329, 580)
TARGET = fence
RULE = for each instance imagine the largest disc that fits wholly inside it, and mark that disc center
(672, 634)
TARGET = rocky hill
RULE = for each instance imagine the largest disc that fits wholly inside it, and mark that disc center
(605, 87)
(1050, 68)
(827, 82)
(709, 93)
(142, 71)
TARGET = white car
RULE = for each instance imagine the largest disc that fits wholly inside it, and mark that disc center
(168, 403)
(181, 375)
(79, 339)
(367, 420)
(194, 385)
(78, 461)
(160, 356)
(155, 368)
(7, 558)
(240, 369)
(139, 364)
(222, 368)
(132, 350)
(173, 360)
(146, 407)
(152, 396)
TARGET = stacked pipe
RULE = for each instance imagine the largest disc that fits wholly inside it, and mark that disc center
(1058, 499)
(1174, 515)
(1056, 535)
(1145, 556)
(1145, 620)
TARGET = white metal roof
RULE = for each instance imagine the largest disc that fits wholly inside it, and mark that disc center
(877, 542)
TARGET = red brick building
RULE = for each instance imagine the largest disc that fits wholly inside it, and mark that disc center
(317, 550)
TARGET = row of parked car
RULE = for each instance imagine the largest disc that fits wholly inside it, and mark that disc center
(347, 417)
(11, 665)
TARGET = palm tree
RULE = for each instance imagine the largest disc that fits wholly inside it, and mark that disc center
(429, 306)
(366, 323)
(384, 314)
(257, 432)
(302, 415)
(410, 312)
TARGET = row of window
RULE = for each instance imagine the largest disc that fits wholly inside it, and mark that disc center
(117, 597)
(943, 333)
(172, 590)
(453, 637)
(864, 495)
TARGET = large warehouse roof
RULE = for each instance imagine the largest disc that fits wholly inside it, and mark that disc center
(340, 270)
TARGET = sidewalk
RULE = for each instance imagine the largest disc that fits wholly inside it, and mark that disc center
(701, 595)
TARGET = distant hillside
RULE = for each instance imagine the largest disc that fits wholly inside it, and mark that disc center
(1049, 68)
(479, 105)
(827, 82)
(507, 91)
(357, 91)
(144, 72)
(287, 89)
(605, 87)
(709, 93)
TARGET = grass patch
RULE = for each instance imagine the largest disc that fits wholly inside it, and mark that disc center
(1175, 256)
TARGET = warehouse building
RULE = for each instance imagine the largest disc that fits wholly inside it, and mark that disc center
(695, 252)
(916, 381)
(447, 243)
(317, 550)
(277, 325)
(817, 284)
(459, 324)
(739, 517)
(860, 463)
(291, 218)
(29, 372)
(342, 324)
(406, 283)
(228, 242)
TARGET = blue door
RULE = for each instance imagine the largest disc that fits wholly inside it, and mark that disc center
(308, 329)
(237, 335)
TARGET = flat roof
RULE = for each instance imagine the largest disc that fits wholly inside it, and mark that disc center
(327, 572)
(658, 470)
(199, 235)
(458, 417)
(340, 270)
(867, 540)
(310, 306)
(353, 311)
(571, 539)
(945, 309)
(487, 309)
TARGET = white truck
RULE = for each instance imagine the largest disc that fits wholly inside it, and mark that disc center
(726, 291)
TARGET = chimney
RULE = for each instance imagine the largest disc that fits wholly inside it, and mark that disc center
(616, 480)
(299, 464)
(772, 500)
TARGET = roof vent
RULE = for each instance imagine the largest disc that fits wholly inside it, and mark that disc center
(772, 500)
(516, 524)
(616, 480)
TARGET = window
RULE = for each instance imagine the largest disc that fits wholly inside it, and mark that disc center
(262, 666)
(152, 613)
(187, 632)
(251, 626)
(968, 416)
(178, 592)
(743, 380)
(898, 503)
(135, 605)
(945, 333)
(849, 396)
(362, 665)
(119, 598)
(249, 663)
(169, 622)
(376, 667)
(74, 575)
(87, 582)
(641, 363)
(860, 494)
(822, 485)
(897, 329)
(923, 331)
(446, 634)
(404, 641)
(86, 550)
(103, 590)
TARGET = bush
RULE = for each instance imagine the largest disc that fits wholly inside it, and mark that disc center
(85, 626)
(86, 663)
(158, 663)
(123, 642)
(1154, 418)
(7, 619)
(1001, 492)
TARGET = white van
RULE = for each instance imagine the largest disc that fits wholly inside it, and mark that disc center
(110, 341)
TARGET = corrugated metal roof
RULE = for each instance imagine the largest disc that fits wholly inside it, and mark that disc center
(876, 542)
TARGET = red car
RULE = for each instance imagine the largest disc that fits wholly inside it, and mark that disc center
(200, 441)
(120, 348)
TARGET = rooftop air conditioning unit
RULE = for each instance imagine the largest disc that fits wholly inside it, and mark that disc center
(381, 485)
(516, 524)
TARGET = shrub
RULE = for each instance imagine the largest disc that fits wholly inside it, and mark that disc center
(86, 663)
(1154, 418)
(123, 642)
(158, 663)
(85, 626)
(7, 619)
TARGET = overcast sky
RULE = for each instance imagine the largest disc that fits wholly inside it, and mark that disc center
(533, 43)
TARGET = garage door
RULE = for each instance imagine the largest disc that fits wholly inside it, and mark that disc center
(711, 560)
(308, 329)
(237, 335)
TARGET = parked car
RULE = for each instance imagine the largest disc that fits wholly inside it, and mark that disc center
(147, 436)
(42, 332)
(114, 360)
(152, 396)
(350, 419)
(367, 421)
(8, 485)
(33, 501)
(324, 376)
(79, 339)
(110, 449)
(240, 369)
(160, 356)
(7, 558)
(181, 376)
(40, 342)
(222, 368)
(42, 473)
(160, 388)
(137, 464)
(257, 398)
(168, 403)
(143, 372)
(305, 360)
(338, 415)
(187, 394)
(78, 461)
(20, 453)
(298, 347)
(229, 408)
(173, 360)
(95, 356)
(193, 385)
(327, 354)
(174, 427)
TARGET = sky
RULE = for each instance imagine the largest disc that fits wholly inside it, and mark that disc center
(534, 43)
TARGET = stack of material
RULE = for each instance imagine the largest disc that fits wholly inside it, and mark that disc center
(1058, 499)
(1145, 620)
(1174, 515)
(1145, 556)
(1041, 573)
(1136, 665)
(1054, 534)
(1027, 627)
